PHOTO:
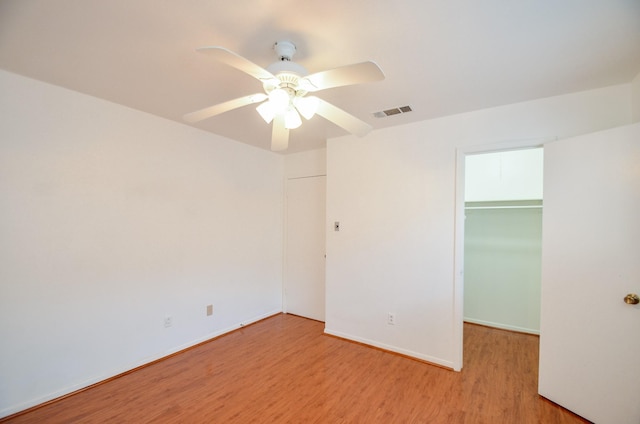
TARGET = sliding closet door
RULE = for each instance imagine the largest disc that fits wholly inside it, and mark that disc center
(590, 337)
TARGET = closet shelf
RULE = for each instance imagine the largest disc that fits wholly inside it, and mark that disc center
(505, 207)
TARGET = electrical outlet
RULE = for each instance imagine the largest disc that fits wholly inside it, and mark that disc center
(209, 310)
(391, 318)
(168, 322)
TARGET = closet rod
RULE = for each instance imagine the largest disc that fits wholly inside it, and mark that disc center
(505, 207)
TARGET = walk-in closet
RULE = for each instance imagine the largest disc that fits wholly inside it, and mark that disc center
(503, 235)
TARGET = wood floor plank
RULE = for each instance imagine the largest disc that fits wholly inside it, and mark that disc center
(285, 370)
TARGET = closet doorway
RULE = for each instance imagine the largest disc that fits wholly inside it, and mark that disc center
(503, 239)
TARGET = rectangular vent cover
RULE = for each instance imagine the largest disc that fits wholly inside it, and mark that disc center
(394, 111)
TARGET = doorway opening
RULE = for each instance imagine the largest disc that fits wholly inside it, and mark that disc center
(498, 238)
(503, 239)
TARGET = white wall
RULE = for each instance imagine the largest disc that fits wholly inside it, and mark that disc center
(112, 219)
(511, 175)
(394, 194)
(306, 164)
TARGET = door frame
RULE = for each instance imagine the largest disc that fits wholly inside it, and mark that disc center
(458, 261)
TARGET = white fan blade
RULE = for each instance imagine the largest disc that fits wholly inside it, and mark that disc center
(280, 135)
(210, 111)
(345, 75)
(235, 60)
(343, 119)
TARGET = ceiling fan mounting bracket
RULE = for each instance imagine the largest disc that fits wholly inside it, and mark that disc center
(284, 50)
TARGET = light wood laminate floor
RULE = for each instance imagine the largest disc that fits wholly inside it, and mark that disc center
(284, 370)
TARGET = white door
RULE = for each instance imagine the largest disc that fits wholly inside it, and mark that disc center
(304, 286)
(590, 338)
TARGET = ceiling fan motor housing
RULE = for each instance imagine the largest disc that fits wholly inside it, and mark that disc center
(287, 71)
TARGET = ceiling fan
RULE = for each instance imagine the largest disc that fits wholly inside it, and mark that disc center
(286, 85)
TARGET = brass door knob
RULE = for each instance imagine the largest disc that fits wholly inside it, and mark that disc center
(632, 299)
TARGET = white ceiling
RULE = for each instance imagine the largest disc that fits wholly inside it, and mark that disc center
(441, 57)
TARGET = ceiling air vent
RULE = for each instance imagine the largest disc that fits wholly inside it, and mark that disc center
(394, 111)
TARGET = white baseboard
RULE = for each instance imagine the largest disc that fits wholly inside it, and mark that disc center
(503, 326)
(390, 348)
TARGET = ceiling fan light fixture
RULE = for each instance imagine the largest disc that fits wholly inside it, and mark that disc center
(292, 119)
(307, 106)
(279, 100)
(267, 111)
